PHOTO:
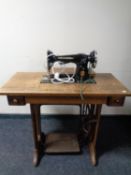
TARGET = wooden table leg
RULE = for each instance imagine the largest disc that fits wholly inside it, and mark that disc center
(94, 127)
(37, 134)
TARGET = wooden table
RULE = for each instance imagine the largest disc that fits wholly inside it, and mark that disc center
(25, 87)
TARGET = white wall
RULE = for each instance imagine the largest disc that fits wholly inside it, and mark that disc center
(29, 27)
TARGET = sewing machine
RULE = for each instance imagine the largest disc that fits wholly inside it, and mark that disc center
(70, 68)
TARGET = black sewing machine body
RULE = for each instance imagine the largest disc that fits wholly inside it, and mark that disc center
(84, 64)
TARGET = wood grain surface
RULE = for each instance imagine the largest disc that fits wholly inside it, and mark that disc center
(28, 83)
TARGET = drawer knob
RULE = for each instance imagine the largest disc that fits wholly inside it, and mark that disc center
(15, 100)
(117, 101)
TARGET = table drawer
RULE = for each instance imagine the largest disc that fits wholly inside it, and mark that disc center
(16, 100)
(115, 101)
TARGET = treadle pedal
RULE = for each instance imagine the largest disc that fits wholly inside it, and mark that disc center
(61, 143)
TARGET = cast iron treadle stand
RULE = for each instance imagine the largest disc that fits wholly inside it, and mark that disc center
(90, 117)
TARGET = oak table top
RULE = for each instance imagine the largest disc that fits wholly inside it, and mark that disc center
(23, 83)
